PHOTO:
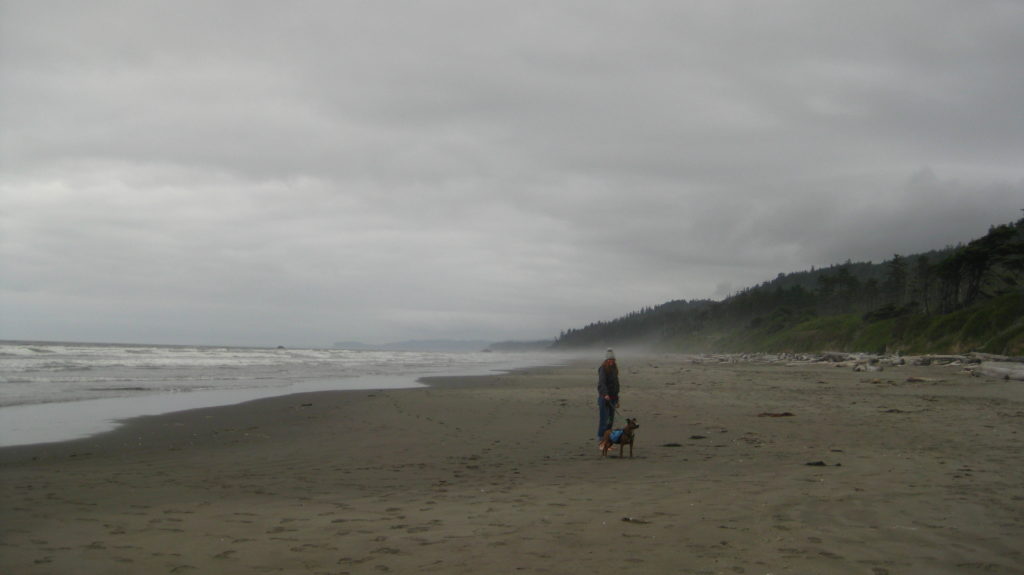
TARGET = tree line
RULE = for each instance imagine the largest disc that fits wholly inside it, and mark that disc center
(937, 282)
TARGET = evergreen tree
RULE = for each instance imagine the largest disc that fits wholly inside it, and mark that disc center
(922, 283)
(895, 284)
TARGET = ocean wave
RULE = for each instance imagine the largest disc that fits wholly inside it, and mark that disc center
(73, 372)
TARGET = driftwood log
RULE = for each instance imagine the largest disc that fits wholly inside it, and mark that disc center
(1002, 370)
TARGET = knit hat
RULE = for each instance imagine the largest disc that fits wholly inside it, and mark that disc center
(609, 354)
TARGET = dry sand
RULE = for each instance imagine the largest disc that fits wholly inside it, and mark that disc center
(502, 475)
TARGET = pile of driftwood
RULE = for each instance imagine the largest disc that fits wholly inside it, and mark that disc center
(979, 364)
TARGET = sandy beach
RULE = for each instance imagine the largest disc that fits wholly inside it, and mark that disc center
(739, 468)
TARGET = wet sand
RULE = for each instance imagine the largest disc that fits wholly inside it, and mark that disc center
(870, 474)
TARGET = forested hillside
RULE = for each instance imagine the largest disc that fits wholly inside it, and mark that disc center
(963, 298)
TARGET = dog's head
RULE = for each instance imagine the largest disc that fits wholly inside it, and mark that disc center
(631, 423)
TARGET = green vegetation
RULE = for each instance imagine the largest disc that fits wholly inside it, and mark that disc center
(961, 299)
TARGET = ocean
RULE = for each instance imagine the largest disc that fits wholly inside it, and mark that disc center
(61, 391)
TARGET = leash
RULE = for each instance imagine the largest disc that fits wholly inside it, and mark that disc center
(616, 408)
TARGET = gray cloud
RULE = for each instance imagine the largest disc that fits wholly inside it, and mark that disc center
(246, 172)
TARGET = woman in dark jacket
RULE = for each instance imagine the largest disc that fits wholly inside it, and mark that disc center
(607, 393)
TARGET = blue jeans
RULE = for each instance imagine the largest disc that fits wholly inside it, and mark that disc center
(606, 414)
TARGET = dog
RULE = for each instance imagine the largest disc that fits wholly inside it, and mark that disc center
(621, 437)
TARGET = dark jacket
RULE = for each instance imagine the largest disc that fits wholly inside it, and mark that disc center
(608, 381)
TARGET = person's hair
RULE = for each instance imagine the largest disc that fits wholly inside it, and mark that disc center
(610, 365)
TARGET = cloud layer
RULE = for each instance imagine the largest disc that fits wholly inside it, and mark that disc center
(253, 173)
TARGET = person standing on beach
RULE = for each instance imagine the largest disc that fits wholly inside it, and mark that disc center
(607, 393)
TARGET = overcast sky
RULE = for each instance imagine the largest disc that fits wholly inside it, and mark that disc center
(300, 173)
